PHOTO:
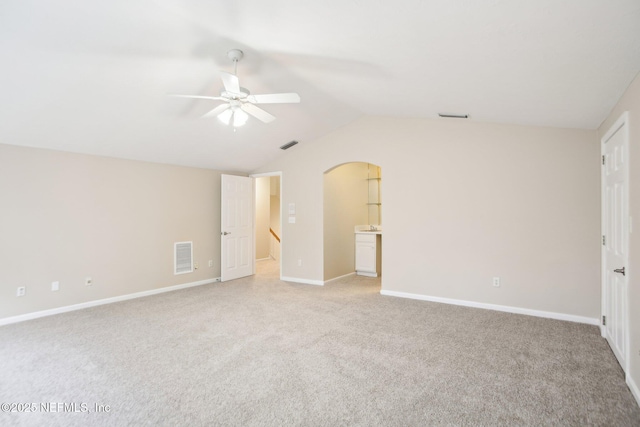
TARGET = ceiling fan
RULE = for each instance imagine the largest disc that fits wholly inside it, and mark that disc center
(239, 103)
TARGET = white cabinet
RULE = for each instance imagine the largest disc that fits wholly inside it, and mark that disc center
(368, 251)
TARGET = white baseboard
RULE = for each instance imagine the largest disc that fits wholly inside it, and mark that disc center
(83, 305)
(353, 273)
(633, 387)
(366, 274)
(505, 308)
(303, 281)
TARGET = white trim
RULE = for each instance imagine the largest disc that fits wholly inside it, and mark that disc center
(88, 304)
(367, 274)
(634, 388)
(303, 281)
(353, 273)
(505, 308)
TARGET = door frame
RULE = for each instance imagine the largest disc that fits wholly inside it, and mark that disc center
(282, 239)
(622, 124)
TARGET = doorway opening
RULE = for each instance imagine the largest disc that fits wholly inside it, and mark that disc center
(352, 208)
(268, 224)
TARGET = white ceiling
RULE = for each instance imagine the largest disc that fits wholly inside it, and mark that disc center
(93, 77)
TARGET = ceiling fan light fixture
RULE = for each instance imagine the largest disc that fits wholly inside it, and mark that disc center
(225, 116)
(239, 117)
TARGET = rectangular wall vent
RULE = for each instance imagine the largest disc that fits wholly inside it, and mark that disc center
(288, 145)
(454, 116)
(183, 257)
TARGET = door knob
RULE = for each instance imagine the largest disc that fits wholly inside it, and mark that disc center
(619, 270)
(224, 233)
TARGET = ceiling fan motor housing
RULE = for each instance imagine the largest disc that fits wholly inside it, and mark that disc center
(235, 55)
(244, 92)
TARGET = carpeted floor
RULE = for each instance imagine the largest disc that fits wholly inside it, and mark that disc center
(258, 351)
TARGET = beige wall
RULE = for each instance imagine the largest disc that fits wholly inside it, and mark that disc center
(345, 206)
(630, 102)
(66, 216)
(374, 195)
(464, 202)
(263, 213)
(275, 216)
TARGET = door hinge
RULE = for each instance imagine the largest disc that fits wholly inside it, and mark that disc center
(604, 320)
(604, 240)
(603, 160)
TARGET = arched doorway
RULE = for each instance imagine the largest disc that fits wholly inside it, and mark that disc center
(352, 198)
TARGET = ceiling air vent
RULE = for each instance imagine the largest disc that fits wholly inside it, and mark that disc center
(454, 116)
(183, 257)
(288, 145)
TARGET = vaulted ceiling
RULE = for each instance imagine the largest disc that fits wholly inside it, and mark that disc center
(93, 77)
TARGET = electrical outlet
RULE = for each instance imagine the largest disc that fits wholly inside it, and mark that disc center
(21, 291)
(88, 281)
(496, 282)
(55, 286)
(196, 265)
(299, 262)
(210, 263)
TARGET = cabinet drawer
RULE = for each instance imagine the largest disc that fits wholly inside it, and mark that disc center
(368, 238)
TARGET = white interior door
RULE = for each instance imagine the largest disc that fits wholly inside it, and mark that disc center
(237, 227)
(616, 233)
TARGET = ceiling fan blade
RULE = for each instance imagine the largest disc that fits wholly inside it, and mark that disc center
(219, 109)
(274, 98)
(217, 98)
(230, 82)
(257, 112)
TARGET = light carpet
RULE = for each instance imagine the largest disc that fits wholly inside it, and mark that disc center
(261, 352)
